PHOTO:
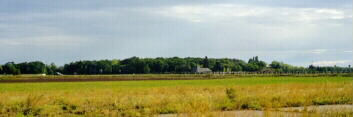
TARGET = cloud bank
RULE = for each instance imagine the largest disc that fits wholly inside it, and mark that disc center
(296, 32)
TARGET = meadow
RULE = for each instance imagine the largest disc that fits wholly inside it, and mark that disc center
(156, 97)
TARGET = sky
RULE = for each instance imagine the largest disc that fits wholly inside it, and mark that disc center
(298, 32)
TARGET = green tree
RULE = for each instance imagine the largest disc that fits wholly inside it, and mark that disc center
(116, 69)
(179, 65)
(36, 67)
(158, 65)
(51, 69)
(254, 64)
(237, 67)
(205, 62)
(10, 68)
(276, 65)
(146, 69)
(1, 70)
(218, 66)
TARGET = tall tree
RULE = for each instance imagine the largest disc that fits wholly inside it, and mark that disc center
(1, 70)
(218, 66)
(205, 62)
(255, 64)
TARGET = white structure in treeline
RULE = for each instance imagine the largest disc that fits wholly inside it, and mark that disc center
(199, 69)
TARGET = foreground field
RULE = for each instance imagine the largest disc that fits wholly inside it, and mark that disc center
(151, 98)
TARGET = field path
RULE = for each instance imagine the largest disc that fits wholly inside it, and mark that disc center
(281, 112)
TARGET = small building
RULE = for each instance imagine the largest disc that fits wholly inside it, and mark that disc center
(199, 69)
(58, 73)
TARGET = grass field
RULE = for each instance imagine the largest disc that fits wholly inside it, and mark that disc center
(166, 76)
(148, 98)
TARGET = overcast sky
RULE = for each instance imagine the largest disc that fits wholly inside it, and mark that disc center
(298, 32)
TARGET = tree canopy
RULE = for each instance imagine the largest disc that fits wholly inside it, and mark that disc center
(136, 65)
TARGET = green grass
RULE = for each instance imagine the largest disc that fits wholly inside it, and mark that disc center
(169, 76)
(165, 83)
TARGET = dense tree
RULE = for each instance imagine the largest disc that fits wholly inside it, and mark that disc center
(51, 69)
(254, 64)
(158, 65)
(135, 65)
(276, 65)
(280, 67)
(35, 67)
(11, 68)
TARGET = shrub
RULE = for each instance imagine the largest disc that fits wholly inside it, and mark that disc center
(226, 105)
(231, 94)
(321, 101)
(252, 106)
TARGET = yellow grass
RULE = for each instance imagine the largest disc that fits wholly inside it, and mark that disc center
(150, 101)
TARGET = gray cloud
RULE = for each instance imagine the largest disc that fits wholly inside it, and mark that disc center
(299, 32)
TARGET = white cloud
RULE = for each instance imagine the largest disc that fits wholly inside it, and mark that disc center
(200, 13)
(203, 13)
(330, 63)
(44, 41)
(319, 51)
(348, 51)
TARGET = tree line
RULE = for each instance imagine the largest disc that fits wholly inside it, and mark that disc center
(136, 65)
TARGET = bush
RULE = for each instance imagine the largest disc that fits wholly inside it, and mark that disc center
(252, 106)
(226, 105)
(231, 94)
(321, 101)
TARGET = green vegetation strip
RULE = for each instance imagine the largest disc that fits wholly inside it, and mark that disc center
(166, 83)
